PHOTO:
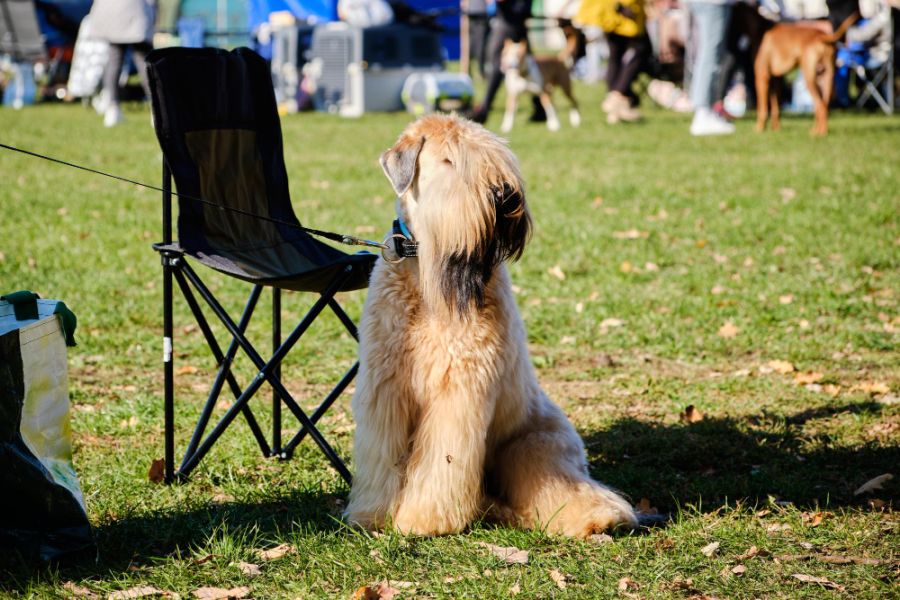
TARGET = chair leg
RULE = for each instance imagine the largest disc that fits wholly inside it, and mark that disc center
(265, 371)
(323, 408)
(347, 321)
(224, 374)
(168, 374)
(276, 401)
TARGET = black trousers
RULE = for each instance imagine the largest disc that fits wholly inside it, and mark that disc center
(627, 56)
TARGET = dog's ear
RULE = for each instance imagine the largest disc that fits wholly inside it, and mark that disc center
(466, 275)
(513, 223)
(400, 163)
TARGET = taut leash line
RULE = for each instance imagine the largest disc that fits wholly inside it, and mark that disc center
(349, 240)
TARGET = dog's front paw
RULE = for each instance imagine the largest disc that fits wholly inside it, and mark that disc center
(553, 124)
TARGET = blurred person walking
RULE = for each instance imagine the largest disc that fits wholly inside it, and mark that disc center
(124, 24)
(710, 19)
(623, 23)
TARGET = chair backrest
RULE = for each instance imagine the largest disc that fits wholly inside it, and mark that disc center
(217, 123)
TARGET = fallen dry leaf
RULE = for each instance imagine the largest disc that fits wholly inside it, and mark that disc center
(643, 507)
(600, 538)
(214, 593)
(691, 414)
(186, 370)
(143, 591)
(205, 559)
(873, 484)
(728, 330)
(872, 387)
(820, 580)
(786, 299)
(710, 549)
(627, 583)
(812, 519)
(509, 554)
(779, 366)
(276, 552)
(631, 234)
(717, 290)
(558, 578)
(807, 378)
(557, 272)
(626, 267)
(751, 552)
(157, 472)
(514, 589)
(249, 569)
(738, 570)
(78, 591)
(611, 322)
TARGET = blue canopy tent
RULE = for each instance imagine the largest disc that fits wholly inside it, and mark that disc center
(319, 11)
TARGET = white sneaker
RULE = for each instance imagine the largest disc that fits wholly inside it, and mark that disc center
(707, 122)
(113, 116)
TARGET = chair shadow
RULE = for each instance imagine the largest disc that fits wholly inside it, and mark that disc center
(722, 460)
(130, 542)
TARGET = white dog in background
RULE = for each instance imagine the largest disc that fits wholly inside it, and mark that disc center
(538, 75)
(451, 423)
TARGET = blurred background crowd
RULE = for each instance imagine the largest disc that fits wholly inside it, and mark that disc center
(358, 56)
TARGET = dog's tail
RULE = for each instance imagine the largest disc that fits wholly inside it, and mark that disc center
(843, 27)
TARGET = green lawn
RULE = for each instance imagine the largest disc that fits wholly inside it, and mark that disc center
(665, 271)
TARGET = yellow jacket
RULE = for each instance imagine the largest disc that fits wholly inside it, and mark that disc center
(606, 15)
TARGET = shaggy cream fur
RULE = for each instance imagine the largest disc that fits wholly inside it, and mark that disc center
(451, 423)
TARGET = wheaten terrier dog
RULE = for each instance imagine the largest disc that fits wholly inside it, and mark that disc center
(451, 423)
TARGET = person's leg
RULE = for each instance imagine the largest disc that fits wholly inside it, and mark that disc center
(711, 21)
(139, 55)
(637, 49)
(111, 73)
(617, 47)
(112, 114)
(499, 34)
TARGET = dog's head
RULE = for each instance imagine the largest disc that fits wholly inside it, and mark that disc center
(512, 57)
(463, 198)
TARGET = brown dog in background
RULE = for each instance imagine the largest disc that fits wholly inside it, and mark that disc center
(783, 48)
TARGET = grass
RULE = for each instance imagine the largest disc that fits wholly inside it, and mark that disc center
(665, 242)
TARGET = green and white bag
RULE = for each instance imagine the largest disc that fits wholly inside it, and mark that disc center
(42, 513)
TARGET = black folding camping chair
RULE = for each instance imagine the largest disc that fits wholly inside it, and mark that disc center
(216, 120)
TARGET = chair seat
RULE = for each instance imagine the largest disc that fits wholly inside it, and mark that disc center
(283, 266)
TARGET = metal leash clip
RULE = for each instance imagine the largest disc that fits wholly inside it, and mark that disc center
(398, 257)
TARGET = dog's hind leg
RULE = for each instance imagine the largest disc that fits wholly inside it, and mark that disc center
(543, 477)
(574, 116)
(820, 97)
(552, 118)
(762, 77)
(775, 104)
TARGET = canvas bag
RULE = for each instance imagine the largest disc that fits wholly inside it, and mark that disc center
(42, 513)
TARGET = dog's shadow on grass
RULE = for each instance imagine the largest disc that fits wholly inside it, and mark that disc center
(719, 460)
(704, 464)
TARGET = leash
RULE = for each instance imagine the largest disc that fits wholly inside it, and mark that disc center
(342, 238)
